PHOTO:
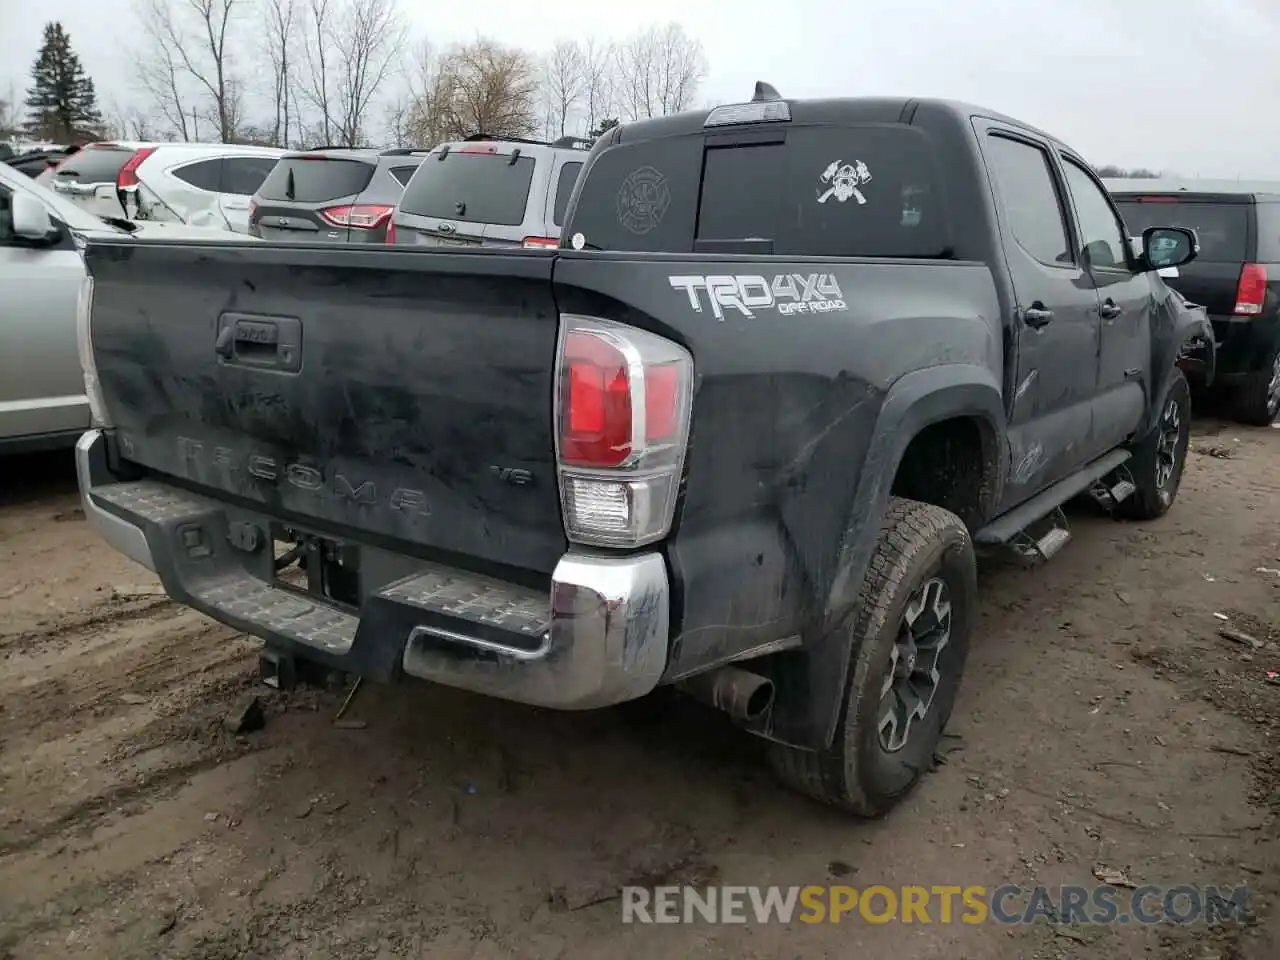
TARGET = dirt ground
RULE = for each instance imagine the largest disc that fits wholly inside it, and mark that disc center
(1103, 722)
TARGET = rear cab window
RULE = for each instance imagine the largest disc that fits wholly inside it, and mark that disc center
(95, 164)
(471, 187)
(856, 190)
(315, 179)
(1223, 227)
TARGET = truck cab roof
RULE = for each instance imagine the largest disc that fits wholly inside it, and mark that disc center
(832, 110)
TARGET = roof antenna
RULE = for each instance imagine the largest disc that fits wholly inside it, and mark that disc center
(765, 91)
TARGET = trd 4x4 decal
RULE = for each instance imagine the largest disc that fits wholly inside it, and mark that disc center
(787, 293)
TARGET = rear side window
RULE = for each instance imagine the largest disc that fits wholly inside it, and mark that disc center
(204, 175)
(471, 187)
(94, 165)
(1025, 183)
(403, 174)
(244, 175)
(564, 190)
(1223, 228)
(308, 180)
(853, 191)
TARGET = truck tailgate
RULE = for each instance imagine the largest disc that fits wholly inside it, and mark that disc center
(413, 405)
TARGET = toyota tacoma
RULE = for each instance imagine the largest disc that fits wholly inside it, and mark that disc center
(741, 433)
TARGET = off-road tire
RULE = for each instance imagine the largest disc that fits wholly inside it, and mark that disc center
(1153, 498)
(1256, 402)
(918, 542)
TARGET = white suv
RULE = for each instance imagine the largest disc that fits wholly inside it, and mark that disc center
(199, 184)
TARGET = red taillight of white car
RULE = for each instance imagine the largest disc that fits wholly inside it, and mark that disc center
(128, 175)
(623, 401)
(361, 216)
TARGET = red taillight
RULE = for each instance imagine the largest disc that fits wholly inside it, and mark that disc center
(597, 422)
(128, 175)
(361, 216)
(541, 243)
(622, 421)
(253, 210)
(1251, 292)
(391, 232)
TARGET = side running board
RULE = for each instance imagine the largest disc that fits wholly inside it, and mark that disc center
(1005, 529)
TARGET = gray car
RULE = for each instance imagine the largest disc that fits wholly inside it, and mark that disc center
(43, 293)
(482, 191)
(332, 195)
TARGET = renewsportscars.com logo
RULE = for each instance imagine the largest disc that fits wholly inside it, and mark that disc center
(940, 904)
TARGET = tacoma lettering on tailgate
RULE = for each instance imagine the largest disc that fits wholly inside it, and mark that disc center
(199, 458)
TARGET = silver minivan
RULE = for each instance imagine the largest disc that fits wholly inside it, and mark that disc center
(489, 192)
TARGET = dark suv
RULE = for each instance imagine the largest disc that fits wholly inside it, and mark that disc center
(1236, 277)
(332, 195)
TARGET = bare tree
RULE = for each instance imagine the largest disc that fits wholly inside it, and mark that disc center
(317, 83)
(282, 22)
(10, 113)
(190, 42)
(368, 41)
(128, 123)
(659, 71)
(481, 87)
(158, 69)
(599, 75)
(565, 73)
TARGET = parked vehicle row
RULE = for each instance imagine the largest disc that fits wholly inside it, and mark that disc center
(739, 435)
(477, 192)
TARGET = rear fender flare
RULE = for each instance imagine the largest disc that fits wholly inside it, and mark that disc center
(1187, 325)
(915, 401)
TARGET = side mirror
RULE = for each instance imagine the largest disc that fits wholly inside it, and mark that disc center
(30, 218)
(1164, 247)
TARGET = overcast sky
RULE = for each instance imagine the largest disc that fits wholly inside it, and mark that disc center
(1183, 85)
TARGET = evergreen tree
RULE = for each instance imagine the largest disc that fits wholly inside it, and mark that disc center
(608, 123)
(61, 103)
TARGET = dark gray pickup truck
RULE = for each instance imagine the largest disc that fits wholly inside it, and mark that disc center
(739, 434)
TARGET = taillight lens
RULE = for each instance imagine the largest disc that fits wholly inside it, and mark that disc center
(1251, 292)
(361, 216)
(622, 414)
(541, 243)
(391, 232)
(128, 175)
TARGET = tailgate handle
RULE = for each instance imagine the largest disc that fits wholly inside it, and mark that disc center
(261, 343)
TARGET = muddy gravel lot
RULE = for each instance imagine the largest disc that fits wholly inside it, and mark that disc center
(1105, 724)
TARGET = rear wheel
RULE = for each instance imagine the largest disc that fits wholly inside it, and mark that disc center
(909, 639)
(1158, 459)
(1258, 398)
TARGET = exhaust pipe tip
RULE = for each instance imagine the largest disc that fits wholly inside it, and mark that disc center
(746, 697)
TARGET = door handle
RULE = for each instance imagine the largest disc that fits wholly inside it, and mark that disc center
(1110, 310)
(1036, 316)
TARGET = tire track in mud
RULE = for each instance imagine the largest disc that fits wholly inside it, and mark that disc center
(128, 611)
(89, 813)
